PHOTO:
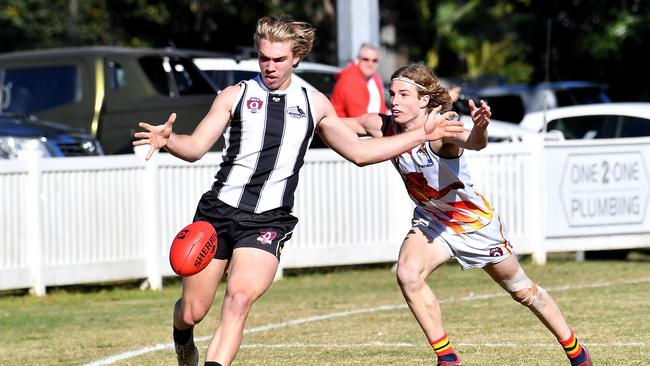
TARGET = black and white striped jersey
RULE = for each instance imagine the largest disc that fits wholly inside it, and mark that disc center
(265, 143)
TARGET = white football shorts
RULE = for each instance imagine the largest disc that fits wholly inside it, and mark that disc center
(489, 244)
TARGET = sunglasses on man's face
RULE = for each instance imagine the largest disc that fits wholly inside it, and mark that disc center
(373, 60)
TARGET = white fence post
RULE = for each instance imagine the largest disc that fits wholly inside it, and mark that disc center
(537, 212)
(34, 224)
(151, 222)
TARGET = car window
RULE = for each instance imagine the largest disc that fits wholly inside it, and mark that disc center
(116, 75)
(583, 127)
(31, 90)
(574, 96)
(224, 78)
(508, 108)
(324, 82)
(220, 78)
(170, 76)
(188, 78)
(153, 68)
(633, 127)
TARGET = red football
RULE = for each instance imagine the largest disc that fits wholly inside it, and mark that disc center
(193, 248)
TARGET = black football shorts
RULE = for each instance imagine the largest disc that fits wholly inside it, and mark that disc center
(237, 228)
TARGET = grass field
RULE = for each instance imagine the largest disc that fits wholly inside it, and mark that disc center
(346, 316)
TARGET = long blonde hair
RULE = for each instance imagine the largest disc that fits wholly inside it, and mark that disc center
(282, 29)
(428, 84)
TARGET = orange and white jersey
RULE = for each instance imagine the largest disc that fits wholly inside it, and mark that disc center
(443, 188)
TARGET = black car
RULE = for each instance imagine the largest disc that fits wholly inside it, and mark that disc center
(22, 135)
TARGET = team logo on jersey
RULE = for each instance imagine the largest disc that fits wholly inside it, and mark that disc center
(496, 252)
(423, 158)
(276, 99)
(266, 237)
(296, 112)
(254, 104)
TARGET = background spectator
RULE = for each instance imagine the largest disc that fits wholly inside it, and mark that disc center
(359, 89)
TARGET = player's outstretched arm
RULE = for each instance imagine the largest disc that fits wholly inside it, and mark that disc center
(345, 141)
(189, 147)
(368, 124)
(477, 137)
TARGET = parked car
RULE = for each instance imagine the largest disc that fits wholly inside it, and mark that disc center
(500, 131)
(106, 91)
(21, 136)
(594, 121)
(320, 76)
(511, 102)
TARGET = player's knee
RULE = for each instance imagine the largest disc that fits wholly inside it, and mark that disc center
(190, 313)
(189, 319)
(239, 303)
(533, 297)
(525, 291)
(408, 276)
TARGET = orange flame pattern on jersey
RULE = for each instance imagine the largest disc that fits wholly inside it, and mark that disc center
(418, 188)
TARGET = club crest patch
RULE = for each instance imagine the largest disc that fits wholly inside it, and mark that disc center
(254, 104)
(496, 252)
(266, 237)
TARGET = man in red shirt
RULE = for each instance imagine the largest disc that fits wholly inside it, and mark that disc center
(359, 89)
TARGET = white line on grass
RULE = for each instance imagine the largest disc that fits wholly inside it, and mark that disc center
(164, 346)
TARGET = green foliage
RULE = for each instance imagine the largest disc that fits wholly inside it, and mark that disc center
(522, 39)
(499, 58)
(456, 37)
(468, 38)
(482, 36)
(31, 23)
(218, 25)
(606, 36)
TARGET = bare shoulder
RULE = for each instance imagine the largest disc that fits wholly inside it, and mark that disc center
(230, 92)
(318, 97)
(321, 105)
(226, 98)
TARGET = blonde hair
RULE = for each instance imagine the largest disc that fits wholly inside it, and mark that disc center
(427, 83)
(274, 29)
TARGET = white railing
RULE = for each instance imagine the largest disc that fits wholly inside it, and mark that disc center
(95, 219)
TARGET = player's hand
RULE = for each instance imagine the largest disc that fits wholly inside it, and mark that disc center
(480, 115)
(156, 136)
(443, 125)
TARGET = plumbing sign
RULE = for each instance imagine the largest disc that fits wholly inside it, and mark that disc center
(604, 188)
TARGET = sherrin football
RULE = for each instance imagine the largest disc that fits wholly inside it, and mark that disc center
(193, 248)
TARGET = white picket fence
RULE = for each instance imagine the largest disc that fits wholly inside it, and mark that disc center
(96, 219)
